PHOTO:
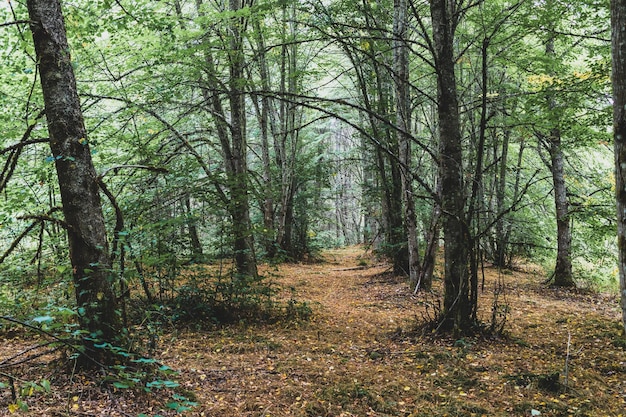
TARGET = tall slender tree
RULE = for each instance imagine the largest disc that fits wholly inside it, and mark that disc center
(403, 125)
(553, 143)
(229, 114)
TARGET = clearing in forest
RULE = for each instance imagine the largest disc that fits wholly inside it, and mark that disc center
(358, 355)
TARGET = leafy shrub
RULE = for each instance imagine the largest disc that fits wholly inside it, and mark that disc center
(222, 299)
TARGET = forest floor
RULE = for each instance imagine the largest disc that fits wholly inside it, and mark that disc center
(359, 355)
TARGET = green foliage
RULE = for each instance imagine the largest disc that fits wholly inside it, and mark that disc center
(220, 299)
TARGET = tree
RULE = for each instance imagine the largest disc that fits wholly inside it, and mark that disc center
(457, 309)
(618, 45)
(403, 126)
(78, 183)
(552, 141)
(232, 133)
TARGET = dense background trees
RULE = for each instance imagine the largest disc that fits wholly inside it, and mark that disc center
(261, 131)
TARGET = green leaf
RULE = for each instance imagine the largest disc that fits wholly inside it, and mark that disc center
(171, 384)
(43, 319)
(45, 384)
(121, 385)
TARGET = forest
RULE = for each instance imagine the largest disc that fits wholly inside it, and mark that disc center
(378, 207)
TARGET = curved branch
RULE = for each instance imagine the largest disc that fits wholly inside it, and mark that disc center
(22, 144)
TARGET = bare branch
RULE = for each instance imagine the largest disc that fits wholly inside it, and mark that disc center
(15, 22)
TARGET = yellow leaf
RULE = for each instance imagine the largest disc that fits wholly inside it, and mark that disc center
(13, 408)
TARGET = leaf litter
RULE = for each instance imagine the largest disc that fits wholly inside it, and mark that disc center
(561, 354)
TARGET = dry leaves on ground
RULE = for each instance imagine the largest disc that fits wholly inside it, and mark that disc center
(561, 355)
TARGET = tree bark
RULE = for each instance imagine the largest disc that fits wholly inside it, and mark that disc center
(232, 134)
(287, 141)
(403, 122)
(457, 309)
(618, 45)
(376, 87)
(264, 111)
(237, 166)
(563, 269)
(98, 314)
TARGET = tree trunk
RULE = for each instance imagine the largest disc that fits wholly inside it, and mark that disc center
(194, 238)
(499, 243)
(618, 44)
(89, 253)
(432, 244)
(237, 166)
(231, 132)
(403, 124)
(287, 144)
(395, 233)
(457, 309)
(375, 88)
(563, 269)
(264, 110)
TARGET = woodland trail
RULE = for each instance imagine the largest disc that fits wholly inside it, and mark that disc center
(358, 355)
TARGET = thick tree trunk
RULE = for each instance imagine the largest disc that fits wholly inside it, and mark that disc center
(618, 44)
(457, 309)
(88, 246)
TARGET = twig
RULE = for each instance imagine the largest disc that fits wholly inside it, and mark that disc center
(5, 363)
(16, 22)
(116, 168)
(65, 342)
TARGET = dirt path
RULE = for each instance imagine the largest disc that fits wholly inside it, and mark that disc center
(347, 362)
